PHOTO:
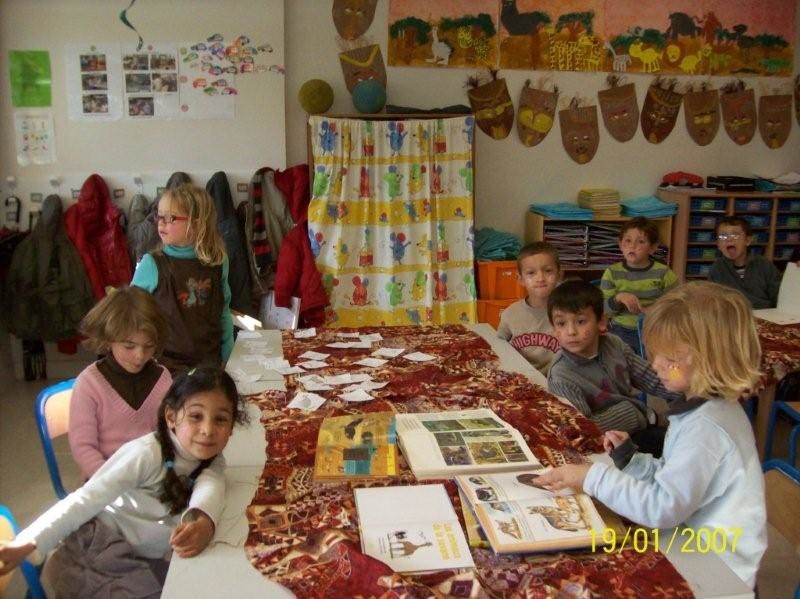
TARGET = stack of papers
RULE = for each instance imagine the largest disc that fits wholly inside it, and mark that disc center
(562, 211)
(571, 240)
(602, 202)
(495, 245)
(649, 207)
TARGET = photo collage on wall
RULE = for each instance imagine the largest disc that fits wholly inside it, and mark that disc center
(150, 79)
(94, 84)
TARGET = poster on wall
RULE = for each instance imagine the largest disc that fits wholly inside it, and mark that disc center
(150, 80)
(29, 71)
(93, 76)
(35, 137)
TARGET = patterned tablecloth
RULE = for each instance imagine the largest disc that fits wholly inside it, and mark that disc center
(305, 536)
(780, 349)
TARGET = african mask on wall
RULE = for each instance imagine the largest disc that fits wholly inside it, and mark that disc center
(580, 132)
(352, 18)
(493, 109)
(362, 64)
(739, 115)
(775, 119)
(660, 111)
(701, 110)
(537, 109)
(620, 110)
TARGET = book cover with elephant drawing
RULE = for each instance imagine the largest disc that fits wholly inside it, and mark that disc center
(517, 516)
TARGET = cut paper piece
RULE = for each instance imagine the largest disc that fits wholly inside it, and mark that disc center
(305, 333)
(660, 110)
(366, 385)
(241, 376)
(388, 352)
(371, 338)
(371, 362)
(249, 335)
(253, 388)
(620, 109)
(247, 322)
(701, 111)
(494, 111)
(739, 113)
(352, 18)
(314, 355)
(287, 370)
(251, 358)
(357, 395)
(306, 401)
(312, 364)
(314, 382)
(535, 117)
(579, 132)
(350, 344)
(272, 363)
(31, 83)
(418, 356)
(775, 119)
(346, 378)
(348, 335)
(363, 64)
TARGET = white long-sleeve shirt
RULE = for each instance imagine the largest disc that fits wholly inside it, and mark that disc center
(709, 477)
(124, 492)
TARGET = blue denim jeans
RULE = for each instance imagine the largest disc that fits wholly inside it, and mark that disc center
(629, 336)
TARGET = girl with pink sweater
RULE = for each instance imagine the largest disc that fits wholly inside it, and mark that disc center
(116, 399)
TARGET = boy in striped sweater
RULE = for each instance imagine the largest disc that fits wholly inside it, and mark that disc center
(631, 286)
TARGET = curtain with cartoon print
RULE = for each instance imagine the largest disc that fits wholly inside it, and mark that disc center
(391, 219)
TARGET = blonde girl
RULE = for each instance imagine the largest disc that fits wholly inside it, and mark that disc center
(188, 276)
(116, 399)
(702, 341)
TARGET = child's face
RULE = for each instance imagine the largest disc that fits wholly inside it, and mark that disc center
(578, 332)
(177, 231)
(636, 248)
(133, 352)
(203, 424)
(675, 370)
(733, 243)
(539, 274)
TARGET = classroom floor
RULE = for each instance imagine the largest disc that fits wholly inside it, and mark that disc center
(25, 484)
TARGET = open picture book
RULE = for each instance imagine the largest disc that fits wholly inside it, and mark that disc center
(517, 516)
(356, 446)
(412, 528)
(443, 444)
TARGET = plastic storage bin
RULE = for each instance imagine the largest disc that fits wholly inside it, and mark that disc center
(761, 237)
(697, 269)
(695, 236)
(758, 220)
(703, 220)
(789, 205)
(708, 203)
(788, 237)
(788, 220)
(499, 280)
(748, 205)
(703, 252)
(783, 253)
(489, 311)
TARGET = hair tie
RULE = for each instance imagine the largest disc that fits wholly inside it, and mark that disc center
(169, 464)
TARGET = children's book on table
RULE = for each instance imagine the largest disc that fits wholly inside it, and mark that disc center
(356, 446)
(411, 529)
(517, 516)
(444, 444)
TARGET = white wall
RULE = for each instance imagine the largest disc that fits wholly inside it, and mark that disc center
(117, 150)
(510, 176)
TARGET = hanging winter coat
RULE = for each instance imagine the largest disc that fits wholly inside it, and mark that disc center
(143, 236)
(93, 226)
(138, 213)
(228, 226)
(49, 292)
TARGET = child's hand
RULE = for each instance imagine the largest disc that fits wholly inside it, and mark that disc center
(12, 555)
(571, 475)
(614, 439)
(630, 301)
(190, 538)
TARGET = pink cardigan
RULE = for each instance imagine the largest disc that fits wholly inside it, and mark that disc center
(100, 420)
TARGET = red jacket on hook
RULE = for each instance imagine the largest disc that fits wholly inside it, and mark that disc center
(93, 226)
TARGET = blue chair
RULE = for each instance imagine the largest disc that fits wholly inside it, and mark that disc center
(8, 530)
(52, 420)
(782, 488)
(792, 410)
(640, 332)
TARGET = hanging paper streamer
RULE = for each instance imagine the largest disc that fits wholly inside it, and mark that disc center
(123, 16)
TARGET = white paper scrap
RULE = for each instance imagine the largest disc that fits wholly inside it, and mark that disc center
(305, 333)
(348, 335)
(372, 337)
(287, 370)
(314, 355)
(366, 385)
(306, 401)
(249, 335)
(357, 395)
(346, 378)
(339, 345)
(388, 352)
(274, 363)
(371, 362)
(312, 364)
(419, 356)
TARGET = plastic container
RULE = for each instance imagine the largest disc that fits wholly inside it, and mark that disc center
(783, 253)
(499, 280)
(489, 311)
(696, 236)
(748, 205)
(788, 220)
(703, 220)
(757, 220)
(702, 252)
(708, 203)
(789, 205)
(761, 237)
(698, 269)
(788, 237)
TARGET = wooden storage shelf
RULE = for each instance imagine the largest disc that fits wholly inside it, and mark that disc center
(768, 210)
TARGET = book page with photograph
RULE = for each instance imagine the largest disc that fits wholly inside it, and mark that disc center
(356, 446)
(412, 528)
(518, 516)
(443, 444)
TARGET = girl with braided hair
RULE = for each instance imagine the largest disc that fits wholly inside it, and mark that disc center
(159, 493)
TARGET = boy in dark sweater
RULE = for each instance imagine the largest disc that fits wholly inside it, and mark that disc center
(752, 274)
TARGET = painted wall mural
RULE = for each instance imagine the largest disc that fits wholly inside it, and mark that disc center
(714, 37)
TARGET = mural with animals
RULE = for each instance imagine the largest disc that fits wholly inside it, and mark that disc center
(684, 37)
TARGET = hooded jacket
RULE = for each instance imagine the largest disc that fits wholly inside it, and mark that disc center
(93, 226)
(49, 292)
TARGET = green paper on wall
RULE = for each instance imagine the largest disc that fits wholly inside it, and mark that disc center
(30, 78)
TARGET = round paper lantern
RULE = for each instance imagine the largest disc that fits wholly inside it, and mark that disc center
(315, 96)
(369, 96)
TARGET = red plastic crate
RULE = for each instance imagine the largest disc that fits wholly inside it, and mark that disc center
(499, 280)
(489, 310)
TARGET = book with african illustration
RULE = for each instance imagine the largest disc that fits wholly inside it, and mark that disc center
(443, 444)
(411, 529)
(517, 516)
(356, 446)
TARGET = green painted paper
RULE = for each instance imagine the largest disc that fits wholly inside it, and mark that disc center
(30, 78)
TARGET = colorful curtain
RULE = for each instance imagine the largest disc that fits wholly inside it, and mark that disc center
(391, 219)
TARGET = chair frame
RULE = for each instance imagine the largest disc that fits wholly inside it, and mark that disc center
(44, 434)
(794, 435)
(29, 571)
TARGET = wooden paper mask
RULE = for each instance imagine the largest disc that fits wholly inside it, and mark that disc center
(620, 111)
(535, 115)
(701, 110)
(493, 109)
(362, 64)
(775, 119)
(660, 112)
(579, 132)
(352, 18)
(739, 115)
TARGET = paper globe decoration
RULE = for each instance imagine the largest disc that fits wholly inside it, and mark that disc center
(315, 96)
(369, 96)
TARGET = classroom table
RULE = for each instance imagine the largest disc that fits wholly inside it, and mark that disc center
(780, 355)
(223, 569)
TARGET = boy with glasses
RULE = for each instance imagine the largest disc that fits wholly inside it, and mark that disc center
(752, 274)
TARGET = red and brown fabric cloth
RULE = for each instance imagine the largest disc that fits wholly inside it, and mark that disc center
(305, 535)
(780, 349)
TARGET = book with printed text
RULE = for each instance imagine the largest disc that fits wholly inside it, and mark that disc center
(356, 446)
